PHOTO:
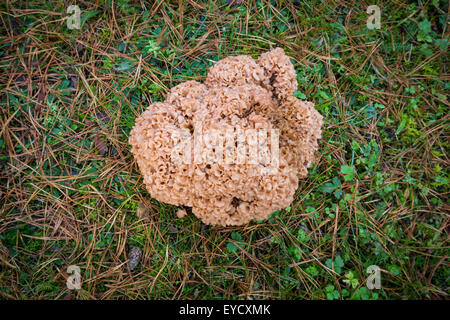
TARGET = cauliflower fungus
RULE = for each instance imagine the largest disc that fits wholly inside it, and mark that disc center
(233, 147)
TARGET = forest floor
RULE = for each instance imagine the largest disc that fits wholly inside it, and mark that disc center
(71, 193)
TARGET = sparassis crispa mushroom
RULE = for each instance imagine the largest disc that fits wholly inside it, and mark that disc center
(233, 147)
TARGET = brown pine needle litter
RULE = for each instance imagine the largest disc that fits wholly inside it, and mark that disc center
(374, 198)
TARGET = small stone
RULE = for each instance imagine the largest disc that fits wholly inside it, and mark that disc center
(181, 213)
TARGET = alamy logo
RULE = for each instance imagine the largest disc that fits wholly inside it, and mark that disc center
(374, 279)
(257, 147)
(374, 20)
(74, 280)
(74, 21)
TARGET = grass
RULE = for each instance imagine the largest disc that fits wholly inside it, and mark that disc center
(71, 193)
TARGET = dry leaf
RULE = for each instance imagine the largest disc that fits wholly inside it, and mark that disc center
(234, 2)
(100, 144)
(4, 255)
(73, 81)
(102, 117)
(142, 211)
